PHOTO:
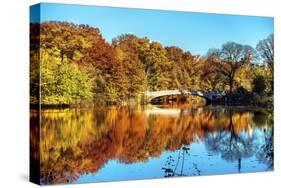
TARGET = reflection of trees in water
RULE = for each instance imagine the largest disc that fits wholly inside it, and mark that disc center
(34, 150)
(235, 146)
(75, 142)
(231, 145)
(230, 140)
(265, 153)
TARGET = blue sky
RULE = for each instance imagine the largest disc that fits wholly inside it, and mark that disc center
(194, 32)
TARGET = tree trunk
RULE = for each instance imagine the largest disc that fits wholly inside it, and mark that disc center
(231, 86)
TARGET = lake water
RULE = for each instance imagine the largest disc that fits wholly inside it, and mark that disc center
(126, 143)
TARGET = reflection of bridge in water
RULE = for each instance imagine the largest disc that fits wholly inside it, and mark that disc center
(208, 96)
(172, 112)
(161, 111)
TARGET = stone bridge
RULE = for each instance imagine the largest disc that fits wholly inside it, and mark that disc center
(208, 96)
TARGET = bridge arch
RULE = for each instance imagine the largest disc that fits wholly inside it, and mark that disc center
(208, 96)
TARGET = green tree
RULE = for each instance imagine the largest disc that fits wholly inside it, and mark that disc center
(63, 83)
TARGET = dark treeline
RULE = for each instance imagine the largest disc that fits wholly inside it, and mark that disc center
(73, 64)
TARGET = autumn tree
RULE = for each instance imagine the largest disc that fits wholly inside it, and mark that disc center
(111, 83)
(34, 70)
(261, 70)
(67, 41)
(186, 69)
(230, 59)
(175, 56)
(73, 64)
(157, 67)
(61, 45)
(212, 80)
(126, 52)
(152, 56)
